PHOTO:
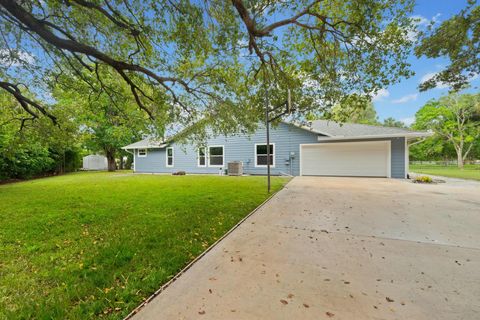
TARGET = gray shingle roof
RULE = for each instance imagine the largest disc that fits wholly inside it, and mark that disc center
(335, 129)
(331, 129)
(147, 143)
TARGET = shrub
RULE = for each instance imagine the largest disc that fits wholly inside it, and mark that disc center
(422, 179)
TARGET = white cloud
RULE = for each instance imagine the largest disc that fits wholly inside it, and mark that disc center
(408, 121)
(381, 94)
(15, 58)
(407, 98)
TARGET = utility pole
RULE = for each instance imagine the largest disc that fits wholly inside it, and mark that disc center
(288, 109)
(267, 126)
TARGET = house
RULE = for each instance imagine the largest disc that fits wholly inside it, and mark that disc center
(95, 162)
(323, 148)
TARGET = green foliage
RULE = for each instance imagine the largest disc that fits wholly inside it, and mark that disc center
(353, 109)
(432, 148)
(457, 39)
(89, 245)
(392, 122)
(22, 162)
(33, 148)
(182, 61)
(106, 120)
(453, 119)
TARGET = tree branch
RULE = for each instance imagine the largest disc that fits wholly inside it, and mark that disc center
(25, 102)
(43, 29)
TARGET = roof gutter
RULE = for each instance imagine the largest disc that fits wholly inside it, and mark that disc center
(393, 135)
(143, 147)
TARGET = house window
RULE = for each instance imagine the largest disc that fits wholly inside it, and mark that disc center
(215, 156)
(169, 157)
(142, 152)
(261, 155)
(202, 157)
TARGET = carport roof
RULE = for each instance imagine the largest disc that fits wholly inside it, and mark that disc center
(334, 129)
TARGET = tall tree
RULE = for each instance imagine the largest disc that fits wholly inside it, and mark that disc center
(457, 38)
(208, 59)
(106, 120)
(452, 118)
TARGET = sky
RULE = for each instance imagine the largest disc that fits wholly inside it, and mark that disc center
(403, 100)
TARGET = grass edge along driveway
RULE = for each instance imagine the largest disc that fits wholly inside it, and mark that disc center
(92, 245)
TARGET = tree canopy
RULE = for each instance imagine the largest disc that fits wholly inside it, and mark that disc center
(457, 39)
(106, 120)
(453, 119)
(354, 109)
(205, 59)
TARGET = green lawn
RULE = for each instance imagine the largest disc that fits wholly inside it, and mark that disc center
(92, 245)
(469, 171)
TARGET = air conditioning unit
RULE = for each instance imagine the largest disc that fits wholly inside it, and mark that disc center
(235, 168)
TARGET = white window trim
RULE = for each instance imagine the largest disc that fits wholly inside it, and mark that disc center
(204, 155)
(223, 157)
(272, 165)
(142, 156)
(166, 157)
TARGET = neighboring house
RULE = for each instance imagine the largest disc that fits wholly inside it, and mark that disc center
(323, 148)
(95, 162)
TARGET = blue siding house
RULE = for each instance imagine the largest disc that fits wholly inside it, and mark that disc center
(323, 148)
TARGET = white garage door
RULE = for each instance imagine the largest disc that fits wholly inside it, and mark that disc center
(363, 159)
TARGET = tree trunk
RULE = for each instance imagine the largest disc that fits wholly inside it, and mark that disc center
(111, 160)
(121, 163)
(459, 159)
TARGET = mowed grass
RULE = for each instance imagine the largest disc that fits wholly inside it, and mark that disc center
(471, 172)
(94, 245)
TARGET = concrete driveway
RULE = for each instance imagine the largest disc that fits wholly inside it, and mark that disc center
(341, 248)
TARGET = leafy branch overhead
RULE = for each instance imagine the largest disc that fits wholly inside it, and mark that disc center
(458, 39)
(78, 34)
(203, 58)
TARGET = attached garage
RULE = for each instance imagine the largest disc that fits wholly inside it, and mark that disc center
(353, 159)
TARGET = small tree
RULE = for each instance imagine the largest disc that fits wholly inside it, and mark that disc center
(453, 118)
